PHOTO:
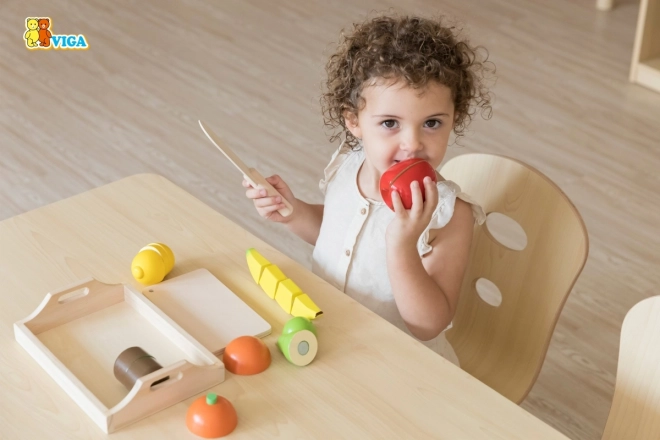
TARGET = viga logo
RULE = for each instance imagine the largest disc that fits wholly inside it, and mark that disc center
(38, 36)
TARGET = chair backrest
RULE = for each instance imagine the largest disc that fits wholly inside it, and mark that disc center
(505, 346)
(635, 412)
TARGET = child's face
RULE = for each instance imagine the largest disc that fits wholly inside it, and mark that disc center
(399, 122)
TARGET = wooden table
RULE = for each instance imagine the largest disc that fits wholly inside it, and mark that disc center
(369, 380)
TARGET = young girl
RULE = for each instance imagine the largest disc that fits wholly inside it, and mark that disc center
(396, 89)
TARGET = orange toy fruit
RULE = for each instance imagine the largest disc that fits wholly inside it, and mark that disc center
(246, 355)
(211, 416)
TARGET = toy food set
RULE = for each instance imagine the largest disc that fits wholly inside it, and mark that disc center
(152, 263)
(134, 363)
(77, 333)
(246, 355)
(399, 177)
(211, 416)
(280, 288)
(298, 341)
(251, 175)
(123, 355)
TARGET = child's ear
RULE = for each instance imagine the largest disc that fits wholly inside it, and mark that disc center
(352, 124)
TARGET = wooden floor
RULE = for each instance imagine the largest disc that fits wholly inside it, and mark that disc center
(71, 121)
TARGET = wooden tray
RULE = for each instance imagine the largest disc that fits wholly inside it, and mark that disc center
(77, 333)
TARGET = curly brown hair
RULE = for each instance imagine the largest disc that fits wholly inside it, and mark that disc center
(416, 50)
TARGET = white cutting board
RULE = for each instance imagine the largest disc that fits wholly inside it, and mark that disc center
(206, 309)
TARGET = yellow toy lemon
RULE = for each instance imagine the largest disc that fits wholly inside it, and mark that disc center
(166, 253)
(152, 263)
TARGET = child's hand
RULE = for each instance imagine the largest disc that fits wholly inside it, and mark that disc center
(408, 225)
(267, 206)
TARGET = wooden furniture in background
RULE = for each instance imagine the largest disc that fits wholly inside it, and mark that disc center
(635, 412)
(645, 68)
(369, 379)
(504, 346)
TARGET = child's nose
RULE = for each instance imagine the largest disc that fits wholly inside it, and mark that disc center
(412, 142)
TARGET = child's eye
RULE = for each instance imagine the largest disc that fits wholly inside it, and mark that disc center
(390, 123)
(433, 123)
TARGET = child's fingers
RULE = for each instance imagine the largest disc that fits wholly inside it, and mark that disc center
(397, 203)
(276, 181)
(264, 202)
(431, 192)
(246, 184)
(270, 209)
(255, 193)
(281, 187)
(417, 199)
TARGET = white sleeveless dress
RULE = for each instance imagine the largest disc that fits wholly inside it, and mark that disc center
(350, 249)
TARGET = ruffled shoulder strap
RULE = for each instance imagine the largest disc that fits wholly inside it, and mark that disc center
(336, 162)
(448, 192)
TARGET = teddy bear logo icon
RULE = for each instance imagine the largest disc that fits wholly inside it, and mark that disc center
(32, 34)
(38, 32)
(39, 36)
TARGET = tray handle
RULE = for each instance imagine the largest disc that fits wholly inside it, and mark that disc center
(91, 286)
(145, 398)
(57, 308)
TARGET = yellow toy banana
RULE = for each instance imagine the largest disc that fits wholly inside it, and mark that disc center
(280, 288)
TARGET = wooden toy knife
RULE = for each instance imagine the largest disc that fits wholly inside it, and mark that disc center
(250, 174)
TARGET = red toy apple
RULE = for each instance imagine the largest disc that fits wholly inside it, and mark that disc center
(400, 176)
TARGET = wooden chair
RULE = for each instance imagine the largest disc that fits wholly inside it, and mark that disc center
(505, 346)
(635, 412)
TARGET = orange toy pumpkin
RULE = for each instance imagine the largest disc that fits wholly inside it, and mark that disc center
(211, 416)
(246, 355)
